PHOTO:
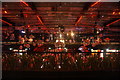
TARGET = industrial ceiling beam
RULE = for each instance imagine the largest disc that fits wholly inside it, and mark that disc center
(85, 8)
(33, 7)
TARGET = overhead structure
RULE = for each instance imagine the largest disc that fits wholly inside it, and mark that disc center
(81, 17)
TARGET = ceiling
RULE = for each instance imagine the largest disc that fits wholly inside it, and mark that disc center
(76, 16)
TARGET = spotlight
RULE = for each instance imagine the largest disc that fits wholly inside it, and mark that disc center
(22, 31)
(10, 48)
(41, 66)
(107, 50)
(65, 48)
(59, 66)
(49, 48)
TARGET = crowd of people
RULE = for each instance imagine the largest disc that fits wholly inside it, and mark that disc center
(60, 62)
(31, 41)
(18, 36)
(52, 61)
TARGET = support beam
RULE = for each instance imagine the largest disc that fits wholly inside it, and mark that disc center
(85, 8)
(33, 7)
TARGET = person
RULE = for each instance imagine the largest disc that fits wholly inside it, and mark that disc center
(7, 36)
(51, 37)
(25, 37)
(21, 39)
(83, 49)
(107, 40)
(12, 37)
(31, 36)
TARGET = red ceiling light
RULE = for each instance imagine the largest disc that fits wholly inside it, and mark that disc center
(113, 22)
(95, 3)
(24, 2)
(78, 20)
(6, 22)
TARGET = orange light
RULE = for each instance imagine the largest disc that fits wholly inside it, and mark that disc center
(113, 22)
(28, 25)
(5, 12)
(119, 13)
(113, 13)
(24, 2)
(95, 3)
(78, 20)
(5, 22)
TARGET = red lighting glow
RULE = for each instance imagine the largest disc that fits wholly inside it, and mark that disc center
(5, 12)
(28, 25)
(78, 20)
(5, 22)
(113, 13)
(113, 22)
(26, 15)
(95, 3)
(24, 2)
(40, 20)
